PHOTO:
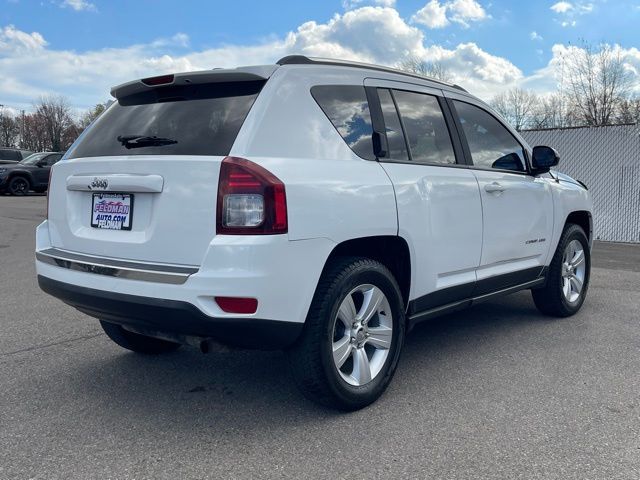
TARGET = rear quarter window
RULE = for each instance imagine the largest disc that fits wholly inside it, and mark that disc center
(347, 108)
(200, 119)
(10, 155)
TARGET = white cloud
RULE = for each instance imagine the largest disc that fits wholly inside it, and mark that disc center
(432, 15)
(12, 40)
(561, 7)
(86, 77)
(370, 34)
(30, 67)
(79, 5)
(465, 11)
(535, 36)
(568, 12)
(438, 15)
(351, 4)
(177, 40)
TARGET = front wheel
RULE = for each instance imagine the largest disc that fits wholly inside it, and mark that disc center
(19, 186)
(353, 335)
(136, 342)
(567, 277)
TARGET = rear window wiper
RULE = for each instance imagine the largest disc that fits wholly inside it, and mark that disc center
(137, 141)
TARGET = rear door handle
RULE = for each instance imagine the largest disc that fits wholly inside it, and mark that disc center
(493, 187)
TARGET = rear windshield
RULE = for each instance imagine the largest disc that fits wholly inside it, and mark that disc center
(186, 120)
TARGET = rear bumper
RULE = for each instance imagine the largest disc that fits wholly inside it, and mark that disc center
(281, 274)
(171, 317)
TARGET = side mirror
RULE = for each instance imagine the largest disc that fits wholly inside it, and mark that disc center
(41, 163)
(543, 159)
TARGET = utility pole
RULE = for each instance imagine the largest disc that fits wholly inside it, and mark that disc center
(21, 128)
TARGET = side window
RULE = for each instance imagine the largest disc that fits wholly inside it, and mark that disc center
(347, 108)
(9, 155)
(52, 159)
(425, 127)
(395, 137)
(490, 143)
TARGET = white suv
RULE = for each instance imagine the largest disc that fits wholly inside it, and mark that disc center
(318, 206)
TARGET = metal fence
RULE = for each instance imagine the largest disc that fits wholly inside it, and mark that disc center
(607, 160)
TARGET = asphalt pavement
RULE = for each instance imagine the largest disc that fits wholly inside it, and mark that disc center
(497, 392)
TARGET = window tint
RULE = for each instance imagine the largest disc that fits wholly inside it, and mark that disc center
(347, 108)
(52, 159)
(395, 137)
(33, 158)
(10, 155)
(491, 144)
(191, 120)
(426, 130)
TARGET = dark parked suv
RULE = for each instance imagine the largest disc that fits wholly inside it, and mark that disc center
(32, 173)
(13, 155)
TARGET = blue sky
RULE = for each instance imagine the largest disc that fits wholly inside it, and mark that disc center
(79, 48)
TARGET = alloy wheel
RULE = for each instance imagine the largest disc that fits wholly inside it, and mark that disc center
(19, 186)
(573, 271)
(362, 334)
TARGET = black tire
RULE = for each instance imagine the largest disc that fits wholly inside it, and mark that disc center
(311, 358)
(19, 186)
(550, 299)
(136, 342)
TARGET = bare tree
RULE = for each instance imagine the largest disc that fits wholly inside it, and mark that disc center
(628, 111)
(9, 130)
(34, 136)
(435, 70)
(596, 81)
(517, 106)
(55, 116)
(91, 114)
(554, 111)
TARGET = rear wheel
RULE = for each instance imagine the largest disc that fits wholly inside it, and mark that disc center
(568, 275)
(19, 186)
(136, 342)
(353, 335)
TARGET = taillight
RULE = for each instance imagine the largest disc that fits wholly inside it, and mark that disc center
(251, 200)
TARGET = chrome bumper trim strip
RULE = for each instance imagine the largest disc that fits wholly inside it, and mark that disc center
(146, 272)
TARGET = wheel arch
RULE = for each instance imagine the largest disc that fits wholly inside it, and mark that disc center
(583, 219)
(390, 250)
(21, 173)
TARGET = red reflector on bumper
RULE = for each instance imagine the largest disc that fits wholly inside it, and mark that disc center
(237, 304)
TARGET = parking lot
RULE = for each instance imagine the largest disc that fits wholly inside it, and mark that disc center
(496, 391)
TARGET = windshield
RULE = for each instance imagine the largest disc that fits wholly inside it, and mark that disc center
(33, 158)
(176, 120)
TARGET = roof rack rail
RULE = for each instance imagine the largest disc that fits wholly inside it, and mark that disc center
(304, 60)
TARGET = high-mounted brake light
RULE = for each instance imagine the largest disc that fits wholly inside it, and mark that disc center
(160, 80)
(251, 200)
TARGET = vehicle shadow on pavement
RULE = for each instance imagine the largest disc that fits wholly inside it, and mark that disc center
(240, 391)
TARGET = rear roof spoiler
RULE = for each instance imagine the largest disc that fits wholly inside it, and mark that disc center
(219, 75)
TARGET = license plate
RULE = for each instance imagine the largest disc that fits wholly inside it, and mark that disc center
(112, 211)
